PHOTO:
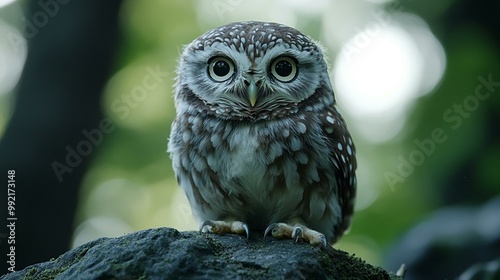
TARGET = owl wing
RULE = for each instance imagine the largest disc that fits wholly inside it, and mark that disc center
(344, 161)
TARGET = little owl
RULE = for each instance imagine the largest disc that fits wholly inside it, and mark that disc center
(257, 143)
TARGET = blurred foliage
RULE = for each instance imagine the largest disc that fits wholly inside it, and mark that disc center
(131, 178)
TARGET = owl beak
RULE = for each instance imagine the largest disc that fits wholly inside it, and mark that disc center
(252, 93)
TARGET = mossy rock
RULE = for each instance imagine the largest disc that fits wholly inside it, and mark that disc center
(165, 253)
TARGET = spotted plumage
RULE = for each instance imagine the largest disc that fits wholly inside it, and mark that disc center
(257, 143)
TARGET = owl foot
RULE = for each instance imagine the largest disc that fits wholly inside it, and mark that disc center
(282, 230)
(222, 227)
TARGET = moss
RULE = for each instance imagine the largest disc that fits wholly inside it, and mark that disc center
(338, 264)
(159, 252)
(40, 273)
(218, 249)
(223, 252)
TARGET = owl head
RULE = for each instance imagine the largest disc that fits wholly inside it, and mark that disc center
(251, 70)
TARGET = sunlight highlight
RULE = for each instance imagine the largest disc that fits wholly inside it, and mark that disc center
(378, 74)
(4, 3)
(13, 53)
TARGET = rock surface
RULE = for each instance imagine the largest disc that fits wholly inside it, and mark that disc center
(166, 253)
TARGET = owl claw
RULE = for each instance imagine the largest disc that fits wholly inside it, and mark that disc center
(222, 227)
(282, 230)
(324, 243)
(204, 224)
(296, 234)
(279, 230)
(247, 231)
(271, 227)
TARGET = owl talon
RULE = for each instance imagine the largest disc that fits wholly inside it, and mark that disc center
(315, 238)
(279, 230)
(247, 231)
(270, 228)
(204, 224)
(324, 243)
(296, 234)
(222, 227)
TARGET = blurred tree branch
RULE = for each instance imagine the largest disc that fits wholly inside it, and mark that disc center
(71, 46)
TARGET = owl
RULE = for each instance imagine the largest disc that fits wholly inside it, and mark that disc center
(257, 143)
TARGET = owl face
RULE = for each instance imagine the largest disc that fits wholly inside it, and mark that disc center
(245, 69)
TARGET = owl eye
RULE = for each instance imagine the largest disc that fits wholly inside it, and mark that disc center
(220, 69)
(284, 69)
